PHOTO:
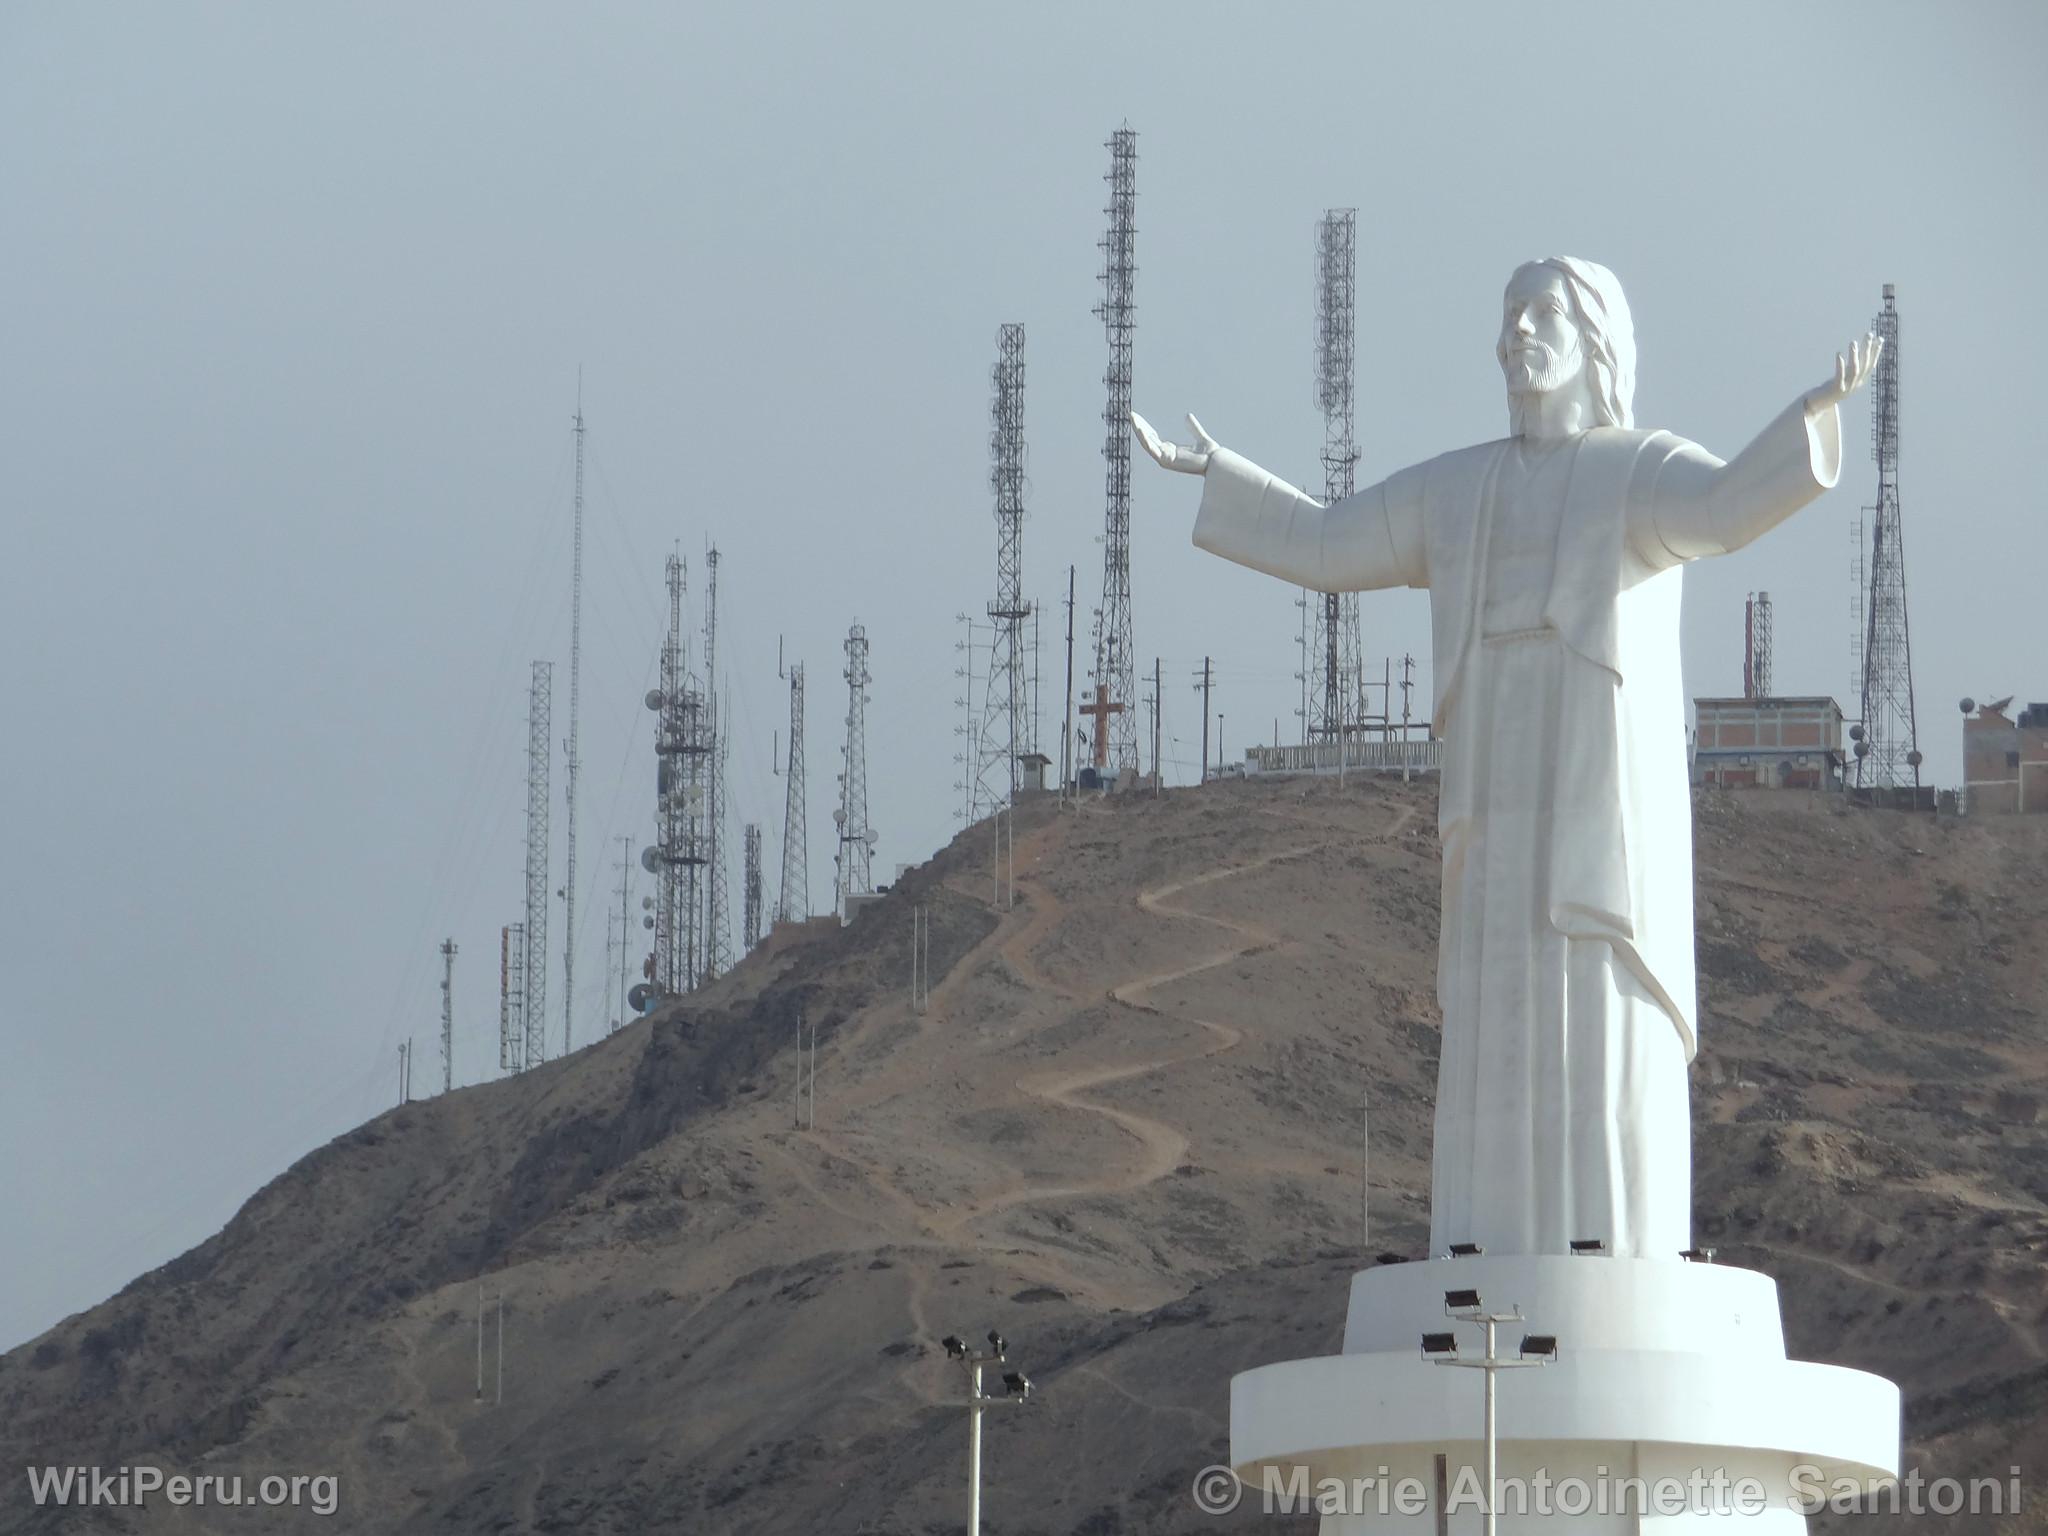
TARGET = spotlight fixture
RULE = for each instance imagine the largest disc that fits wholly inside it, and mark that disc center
(1588, 1245)
(1697, 1255)
(1016, 1383)
(1461, 1301)
(1466, 1250)
(1539, 1346)
(995, 1342)
(1393, 1258)
(955, 1346)
(1439, 1344)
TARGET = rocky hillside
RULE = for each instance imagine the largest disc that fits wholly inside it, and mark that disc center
(1128, 1132)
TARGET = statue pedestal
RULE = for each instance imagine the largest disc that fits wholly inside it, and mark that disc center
(1667, 1371)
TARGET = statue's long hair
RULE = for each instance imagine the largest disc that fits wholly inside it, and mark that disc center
(1607, 335)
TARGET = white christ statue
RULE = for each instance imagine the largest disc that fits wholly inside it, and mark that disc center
(1553, 560)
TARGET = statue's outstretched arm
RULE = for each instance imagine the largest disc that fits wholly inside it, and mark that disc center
(1695, 505)
(1368, 540)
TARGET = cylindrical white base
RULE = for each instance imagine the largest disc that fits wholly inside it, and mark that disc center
(1670, 1399)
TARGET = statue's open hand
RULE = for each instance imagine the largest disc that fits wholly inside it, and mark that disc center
(1189, 461)
(1852, 369)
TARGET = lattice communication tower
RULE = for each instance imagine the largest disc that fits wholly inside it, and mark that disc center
(533, 989)
(1004, 732)
(1756, 646)
(1887, 743)
(856, 837)
(1332, 663)
(1115, 659)
(750, 924)
(794, 900)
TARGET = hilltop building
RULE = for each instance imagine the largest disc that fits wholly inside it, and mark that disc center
(1769, 743)
(2005, 761)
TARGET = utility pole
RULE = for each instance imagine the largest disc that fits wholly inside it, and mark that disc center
(479, 1341)
(447, 1015)
(569, 744)
(405, 1071)
(1016, 1389)
(1203, 682)
(1156, 700)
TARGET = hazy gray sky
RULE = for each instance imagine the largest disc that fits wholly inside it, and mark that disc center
(295, 298)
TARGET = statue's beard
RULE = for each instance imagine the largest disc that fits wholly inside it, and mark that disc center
(1537, 370)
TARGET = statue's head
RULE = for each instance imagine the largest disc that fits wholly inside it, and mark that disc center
(1565, 325)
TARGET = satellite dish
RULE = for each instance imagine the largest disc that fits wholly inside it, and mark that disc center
(1969, 705)
(640, 997)
(650, 859)
(646, 922)
(646, 903)
(1855, 733)
(654, 698)
(1997, 706)
(1863, 749)
(1913, 758)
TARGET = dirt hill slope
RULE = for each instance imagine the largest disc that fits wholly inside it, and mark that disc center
(1128, 1132)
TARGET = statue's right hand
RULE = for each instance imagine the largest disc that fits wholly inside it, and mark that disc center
(1188, 461)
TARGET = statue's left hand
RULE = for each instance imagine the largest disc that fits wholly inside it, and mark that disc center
(1852, 369)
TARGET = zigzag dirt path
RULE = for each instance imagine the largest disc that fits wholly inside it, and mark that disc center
(1164, 1146)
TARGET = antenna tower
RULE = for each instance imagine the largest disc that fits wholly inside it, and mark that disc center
(717, 924)
(796, 866)
(1005, 732)
(856, 838)
(676, 761)
(750, 841)
(511, 998)
(1335, 697)
(1888, 750)
(1115, 664)
(569, 743)
(625, 867)
(447, 1015)
(1756, 646)
(533, 971)
(974, 722)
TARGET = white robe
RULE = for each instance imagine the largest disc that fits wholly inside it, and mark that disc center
(1565, 812)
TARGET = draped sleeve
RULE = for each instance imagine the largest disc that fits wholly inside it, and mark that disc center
(1685, 504)
(1370, 539)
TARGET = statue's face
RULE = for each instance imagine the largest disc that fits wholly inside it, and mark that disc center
(1539, 340)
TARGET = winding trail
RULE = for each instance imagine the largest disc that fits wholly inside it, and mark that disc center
(1164, 1146)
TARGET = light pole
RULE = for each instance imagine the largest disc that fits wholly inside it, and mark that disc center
(1016, 1388)
(1442, 1349)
